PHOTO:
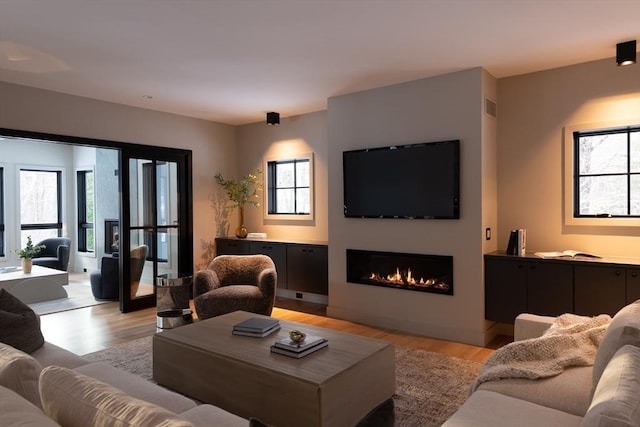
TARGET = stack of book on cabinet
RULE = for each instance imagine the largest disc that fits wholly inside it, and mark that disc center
(290, 348)
(256, 327)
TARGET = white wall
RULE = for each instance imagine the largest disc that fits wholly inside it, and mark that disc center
(294, 136)
(532, 111)
(433, 109)
(212, 144)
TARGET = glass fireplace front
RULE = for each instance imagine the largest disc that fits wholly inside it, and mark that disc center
(424, 273)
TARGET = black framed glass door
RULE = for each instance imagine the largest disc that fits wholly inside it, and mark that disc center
(156, 222)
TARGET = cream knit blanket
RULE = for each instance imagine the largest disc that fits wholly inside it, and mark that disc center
(570, 341)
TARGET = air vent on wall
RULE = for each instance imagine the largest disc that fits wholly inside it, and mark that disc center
(490, 107)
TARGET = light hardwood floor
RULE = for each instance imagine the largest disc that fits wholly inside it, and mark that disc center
(94, 328)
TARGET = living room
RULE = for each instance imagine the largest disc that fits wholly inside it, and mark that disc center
(513, 172)
(499, 169)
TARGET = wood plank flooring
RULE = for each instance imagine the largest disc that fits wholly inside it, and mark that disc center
(95, 328)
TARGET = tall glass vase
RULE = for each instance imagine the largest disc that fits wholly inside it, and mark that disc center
(241, 231)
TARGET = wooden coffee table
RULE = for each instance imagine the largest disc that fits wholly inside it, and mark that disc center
(335, 386)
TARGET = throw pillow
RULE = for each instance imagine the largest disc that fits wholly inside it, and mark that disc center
(20, 325)
(20, 372)
(16, 411)
(616, 401)
(624, 329)
(72, 399)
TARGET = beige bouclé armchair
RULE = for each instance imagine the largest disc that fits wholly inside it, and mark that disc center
(235, 282)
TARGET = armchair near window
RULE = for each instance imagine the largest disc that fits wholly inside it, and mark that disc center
(235, 282)
(105, 284)
(55, 254)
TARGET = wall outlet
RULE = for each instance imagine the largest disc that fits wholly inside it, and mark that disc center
(298, 294)
(487, 234)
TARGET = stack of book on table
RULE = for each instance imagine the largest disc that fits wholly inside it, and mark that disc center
(256, 327)
(290, 348)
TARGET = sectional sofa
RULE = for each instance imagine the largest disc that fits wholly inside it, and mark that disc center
(42, 384)
(606, 394)
(52, 386)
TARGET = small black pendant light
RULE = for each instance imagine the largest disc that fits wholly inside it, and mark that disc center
(273, 118)
(626, 53)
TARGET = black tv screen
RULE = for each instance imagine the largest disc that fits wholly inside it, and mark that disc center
(405, 181)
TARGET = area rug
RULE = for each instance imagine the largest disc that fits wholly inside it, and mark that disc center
(79, 296)
(430, 387)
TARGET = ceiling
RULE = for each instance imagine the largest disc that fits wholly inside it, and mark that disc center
(232, 61)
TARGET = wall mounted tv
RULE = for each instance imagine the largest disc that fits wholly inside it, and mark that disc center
(406, 181)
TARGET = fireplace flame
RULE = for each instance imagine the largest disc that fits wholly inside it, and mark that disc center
(400, 278)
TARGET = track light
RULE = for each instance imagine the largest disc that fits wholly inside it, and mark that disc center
(273, 118)
(626, 53)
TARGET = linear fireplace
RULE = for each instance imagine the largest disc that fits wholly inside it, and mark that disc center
(424, 273)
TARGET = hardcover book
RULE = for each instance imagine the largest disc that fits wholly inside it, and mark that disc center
(289, 344)
(299, 354)
(256, 324)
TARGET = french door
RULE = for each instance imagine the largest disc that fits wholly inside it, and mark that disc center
(156, 221)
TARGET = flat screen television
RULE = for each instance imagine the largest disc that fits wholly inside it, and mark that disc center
(419, 181)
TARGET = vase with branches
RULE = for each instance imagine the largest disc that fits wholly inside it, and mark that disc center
(246, 190)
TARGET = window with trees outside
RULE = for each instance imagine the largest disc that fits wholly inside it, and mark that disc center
(607, 173)
(86, 218)
(40, 204)
(289, 187)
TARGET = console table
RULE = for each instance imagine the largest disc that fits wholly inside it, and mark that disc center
(551, 287)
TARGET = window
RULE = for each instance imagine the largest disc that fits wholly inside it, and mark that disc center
(607, 173)
(289, 187)
(40, 204)
(2, 226)
(86, 218)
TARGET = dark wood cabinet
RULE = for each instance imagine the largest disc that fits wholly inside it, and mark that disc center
(232, 247)
(599, 289)
(301, 267)
(505, 289)
(551, 287)
(633, 285)
(278, 253)
(307, 269)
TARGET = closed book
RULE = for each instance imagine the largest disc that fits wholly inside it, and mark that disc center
(289, 344)
(256, 324)
(300, 354)
(512, 247)
(256, 334)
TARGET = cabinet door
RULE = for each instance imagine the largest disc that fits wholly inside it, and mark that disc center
(633, 285)
(549, 288)
(278, 253)
(599, 290)
(505, 293)
(318, 273)
(307, 269)
(232, 247)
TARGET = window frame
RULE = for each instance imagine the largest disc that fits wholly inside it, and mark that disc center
(269, 189)
(83, 225)
(569, 176)
(2, 214)
(60, 200)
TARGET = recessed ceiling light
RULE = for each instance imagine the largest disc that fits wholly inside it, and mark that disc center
(147, 96)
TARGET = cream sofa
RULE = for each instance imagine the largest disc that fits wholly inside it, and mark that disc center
(606, 394)
(52, 386)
